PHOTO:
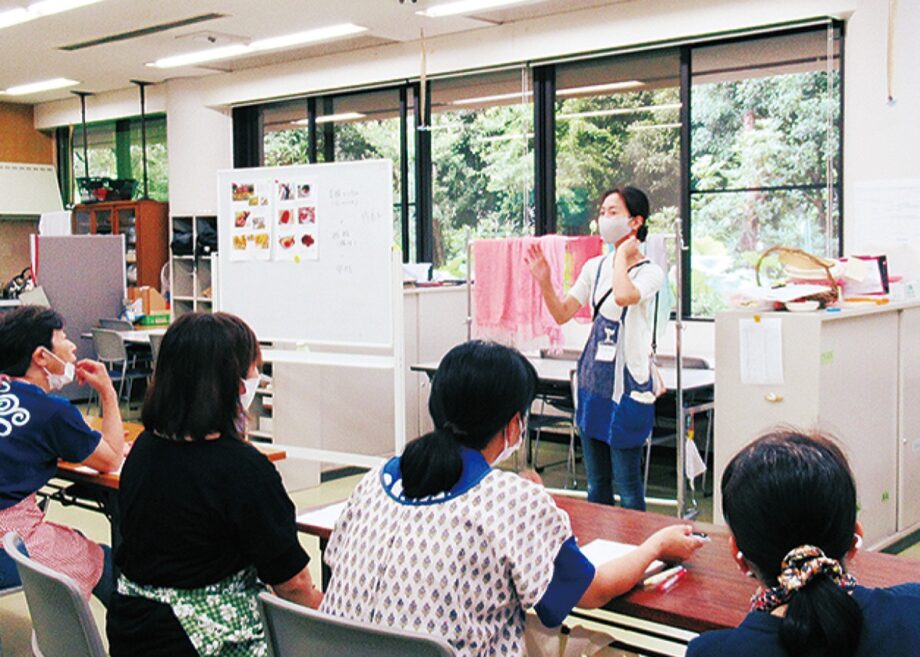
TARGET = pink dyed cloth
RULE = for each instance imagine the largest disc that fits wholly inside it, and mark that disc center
(508, 306)
(61, 548)
(581, 249)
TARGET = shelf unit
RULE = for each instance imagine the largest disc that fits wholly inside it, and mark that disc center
(259, 425)
(192, 280)
(144, 225)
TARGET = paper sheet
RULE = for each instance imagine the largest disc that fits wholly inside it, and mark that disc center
(761, 351)
(325, 517)
(601, 551)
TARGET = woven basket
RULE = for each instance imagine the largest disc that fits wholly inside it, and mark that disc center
(797, 257)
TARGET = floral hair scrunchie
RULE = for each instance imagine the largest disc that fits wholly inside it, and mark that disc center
(799, 566)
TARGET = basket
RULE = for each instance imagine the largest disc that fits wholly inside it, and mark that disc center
(797, 257)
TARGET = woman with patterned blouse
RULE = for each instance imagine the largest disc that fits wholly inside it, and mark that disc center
(438, 541)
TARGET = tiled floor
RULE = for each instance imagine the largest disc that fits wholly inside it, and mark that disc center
(15, 626)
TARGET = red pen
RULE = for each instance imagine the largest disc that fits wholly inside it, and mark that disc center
(672, 581)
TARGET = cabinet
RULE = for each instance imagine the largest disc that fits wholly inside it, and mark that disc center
(192, 278)
(144, 225)
(854, 374)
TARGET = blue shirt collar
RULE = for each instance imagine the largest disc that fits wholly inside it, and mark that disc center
(475, 468)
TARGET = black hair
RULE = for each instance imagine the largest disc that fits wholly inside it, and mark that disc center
(785, 490)
(22, 331)
(196, 385)
(478, 388)
(636, 202)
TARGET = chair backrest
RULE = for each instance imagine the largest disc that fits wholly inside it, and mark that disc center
(155, 340)
(62, 623)
(116, 324)
(110, 347)
(296, 631)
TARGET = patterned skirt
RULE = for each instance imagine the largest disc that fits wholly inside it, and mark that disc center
(61, 548)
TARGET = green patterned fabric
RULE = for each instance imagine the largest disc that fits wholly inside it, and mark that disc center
(221, 620)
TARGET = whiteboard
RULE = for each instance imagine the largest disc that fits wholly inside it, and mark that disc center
(326, 275)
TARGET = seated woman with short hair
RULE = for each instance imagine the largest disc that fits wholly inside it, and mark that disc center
(37, 429)
(790, 502)
(204, 516)
(440, 542)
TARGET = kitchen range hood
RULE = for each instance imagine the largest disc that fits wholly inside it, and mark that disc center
(28, 190)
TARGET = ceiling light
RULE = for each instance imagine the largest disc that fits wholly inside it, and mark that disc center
(596, 88)
(49, 7)
(618, 111)
(15, 17)
(261, 45)
(466, 7)
(36, 87)
(39, 9)
(332, 118)
(488, 99)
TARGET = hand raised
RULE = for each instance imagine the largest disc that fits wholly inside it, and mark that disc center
(536, 261)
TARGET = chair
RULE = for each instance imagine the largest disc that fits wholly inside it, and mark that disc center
(292, 630)
(62, 624)
(116, 324)
(155, 340)
(110, 350)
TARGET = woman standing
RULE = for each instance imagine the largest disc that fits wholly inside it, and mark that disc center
(204, 516)
(616, 403)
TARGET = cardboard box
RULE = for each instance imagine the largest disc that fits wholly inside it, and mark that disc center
(152, 300)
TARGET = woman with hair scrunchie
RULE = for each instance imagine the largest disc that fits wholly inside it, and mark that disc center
(790, 502)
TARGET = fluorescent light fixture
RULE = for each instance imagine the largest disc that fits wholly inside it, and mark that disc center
(618, 111)
(49, 7)
(489, 99)
(597, 88)
(260, 45)
(37, 87)
(332, 118)
(39, 9)
(466, 7)
(635, 127)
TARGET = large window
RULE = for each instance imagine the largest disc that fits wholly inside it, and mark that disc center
(617, 123)
(482, 162)
(738, 140)
(348, 127)
(765, 157)
(115, 150)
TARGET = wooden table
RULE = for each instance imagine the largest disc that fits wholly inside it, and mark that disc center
(109, 480)
(714, 595)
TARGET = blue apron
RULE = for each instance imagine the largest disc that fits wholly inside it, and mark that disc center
(606, 408)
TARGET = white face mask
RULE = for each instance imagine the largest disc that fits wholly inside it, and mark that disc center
(613, 229)
(509, 450)
(58, 381)
(249, 394)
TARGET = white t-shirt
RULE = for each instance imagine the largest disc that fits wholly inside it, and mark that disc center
(648, 279)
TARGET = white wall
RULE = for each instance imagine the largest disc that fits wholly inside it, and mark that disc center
(200, 141)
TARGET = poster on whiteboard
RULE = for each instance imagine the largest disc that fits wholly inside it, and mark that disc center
(296, 230)
(328, 275)
(250, 204)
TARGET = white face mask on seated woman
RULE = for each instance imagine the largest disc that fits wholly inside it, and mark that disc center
(509, 450)
(58, 381)
(250, 386)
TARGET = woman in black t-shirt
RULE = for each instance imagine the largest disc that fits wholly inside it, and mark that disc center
(204, 517)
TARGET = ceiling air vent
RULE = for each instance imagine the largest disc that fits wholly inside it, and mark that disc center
(144, 31)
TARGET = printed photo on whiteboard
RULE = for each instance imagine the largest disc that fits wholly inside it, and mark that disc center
(242, 191)
(309, 249)
(258, 223)
(285, 191)
(241, 219)
(306, 215)
(285, 217)
(261, 246)
(303, 190)
(239, 247)
(258, 200)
